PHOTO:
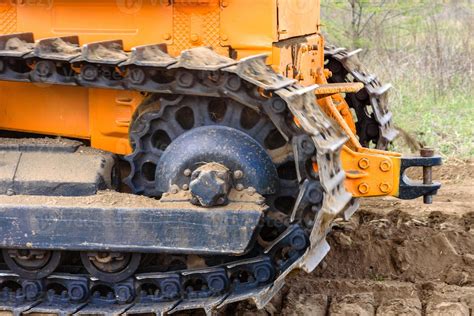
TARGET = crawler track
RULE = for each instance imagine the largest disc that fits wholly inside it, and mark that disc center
(300, 238)
(374, 119)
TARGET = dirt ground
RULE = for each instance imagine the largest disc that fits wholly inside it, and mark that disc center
(393, 258)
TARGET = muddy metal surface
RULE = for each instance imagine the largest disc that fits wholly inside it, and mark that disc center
(394, 258)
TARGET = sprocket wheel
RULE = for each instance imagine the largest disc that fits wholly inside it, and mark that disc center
(371, 132)
(169, 118)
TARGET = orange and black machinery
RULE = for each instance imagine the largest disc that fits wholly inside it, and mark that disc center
(161, 156)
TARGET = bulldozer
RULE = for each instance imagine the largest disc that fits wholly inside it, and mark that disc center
(174, 155)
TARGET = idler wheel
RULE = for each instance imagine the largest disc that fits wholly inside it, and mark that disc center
(32, 264)
(111, 266)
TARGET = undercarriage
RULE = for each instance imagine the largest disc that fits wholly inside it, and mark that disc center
(235, 179)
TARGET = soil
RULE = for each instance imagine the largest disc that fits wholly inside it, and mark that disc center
(393, 258)
(16, 44)
(111, 51)
(59, 46)
(202, 57)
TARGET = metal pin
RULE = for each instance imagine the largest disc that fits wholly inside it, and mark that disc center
(427, 174)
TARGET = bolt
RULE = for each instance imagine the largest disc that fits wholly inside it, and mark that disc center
(185, 79)
(170, 289)
(123, 293)
(89, 72)
(234, 83)
(385, 187)
(385, 165)
(298, 242)
(224, 4)
(185, 187)
(251, 191)
(427, 173)
(262, 274)
(187, 172)
(137, 76)
(363, 188)
(43, 69)
(167, 36)
(364, 163)
(220, 201)
(315, 196)
(238, 174)
(308, 146)
(77, 292)
(217, 283)
(10, 192)
(194, 38)
(239, 187)
(224, 37)
(31, 291)
(174, 189)
(278, 106)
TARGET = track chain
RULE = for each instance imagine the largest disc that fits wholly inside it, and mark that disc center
(196, 72)
(374, 119)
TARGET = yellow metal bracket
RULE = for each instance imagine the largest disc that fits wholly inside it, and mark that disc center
(369, 172)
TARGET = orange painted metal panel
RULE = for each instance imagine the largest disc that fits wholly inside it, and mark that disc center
(297, 18)
(52, 110)
(249, 26)
(110, 113)
(135, 22)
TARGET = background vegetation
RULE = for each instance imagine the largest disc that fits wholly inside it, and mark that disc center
(425, 49)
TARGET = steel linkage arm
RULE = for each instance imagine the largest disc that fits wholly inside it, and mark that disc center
(372, 172)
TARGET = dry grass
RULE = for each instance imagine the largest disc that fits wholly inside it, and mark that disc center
(427, 54)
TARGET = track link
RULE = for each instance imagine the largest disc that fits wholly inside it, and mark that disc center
(374, 119)
(203, 73)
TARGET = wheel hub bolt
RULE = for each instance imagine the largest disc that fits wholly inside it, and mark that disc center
(210, 185)
(238, 174)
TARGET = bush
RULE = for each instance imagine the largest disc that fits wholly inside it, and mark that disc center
(425, 50)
